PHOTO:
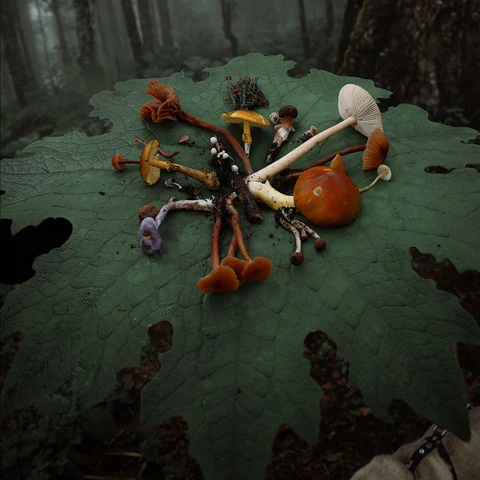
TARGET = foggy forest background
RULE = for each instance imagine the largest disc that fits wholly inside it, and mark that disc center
(56, 53)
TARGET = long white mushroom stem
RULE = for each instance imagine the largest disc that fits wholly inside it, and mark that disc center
(284, 162)
(200, 205)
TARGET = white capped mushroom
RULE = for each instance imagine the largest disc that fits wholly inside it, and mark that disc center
(357, 108)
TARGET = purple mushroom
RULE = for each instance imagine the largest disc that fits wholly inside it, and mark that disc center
(149, 237)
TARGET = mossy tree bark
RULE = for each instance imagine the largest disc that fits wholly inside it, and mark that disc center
(92, 72)
(133, 35)
(426, 52)
(62, 39)
(307, 51)
(23, 82)
(227, 17)
(166, 25)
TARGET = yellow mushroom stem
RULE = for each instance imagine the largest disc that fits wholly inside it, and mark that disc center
(383, 172)
(247, 136)
(208, 179)
(265, 193)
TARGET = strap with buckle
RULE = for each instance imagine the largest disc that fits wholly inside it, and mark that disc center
(431, 443)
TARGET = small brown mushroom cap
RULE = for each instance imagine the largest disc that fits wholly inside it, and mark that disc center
(240, 116)
(149, 173)
(116, 159)
(288, 110)
(258, 270)
(376, 151)
(237, 264)
(148, 210)
(220, 279)
(296, 258)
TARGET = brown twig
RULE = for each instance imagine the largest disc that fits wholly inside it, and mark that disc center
(291, 174)
(235, 180)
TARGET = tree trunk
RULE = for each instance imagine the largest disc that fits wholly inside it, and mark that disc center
(227, 7)
(45, 46)
(64, 52)
(426, 52)
(8, 99)
(166, 25)
(9, 23)
(30, 54)
(133, 34)
(303, 29)
(92, 71)
(148, 35)
(330, 21)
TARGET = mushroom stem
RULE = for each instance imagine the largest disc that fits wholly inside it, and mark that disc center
(319, 241)
(296, 258)
(282, 130)
(247, 138)
(119, 162)
(237, 229)
(266, 194)
(233, 247)
(358, 109)
(215, 242)
(291, 174)
(200, 205)
(328, 158)
(197, 122)
(274, 168)
(383, 172)
(208, 179)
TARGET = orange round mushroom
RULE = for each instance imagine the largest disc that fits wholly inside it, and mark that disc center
(327, 197)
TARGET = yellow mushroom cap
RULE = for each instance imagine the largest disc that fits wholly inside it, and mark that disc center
(149, 173)
(241, 116)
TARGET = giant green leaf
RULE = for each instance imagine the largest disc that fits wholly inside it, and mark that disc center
(236, 372)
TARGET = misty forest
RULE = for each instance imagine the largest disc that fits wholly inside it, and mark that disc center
(56, 53)
(93, 323)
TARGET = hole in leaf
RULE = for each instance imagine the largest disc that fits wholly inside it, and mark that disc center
(161, 335)
(438, 169)
(2, 192)
(475, 166)
(443, 170)
(8, 349)
(133, 379)
(19, 251)
(465, 285)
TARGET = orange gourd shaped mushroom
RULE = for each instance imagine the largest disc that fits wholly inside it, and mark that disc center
(327, 197)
